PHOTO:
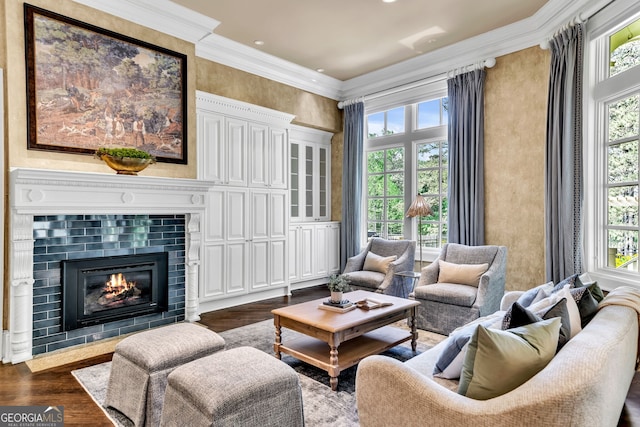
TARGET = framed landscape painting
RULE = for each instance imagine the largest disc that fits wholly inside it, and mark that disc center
(88, 88)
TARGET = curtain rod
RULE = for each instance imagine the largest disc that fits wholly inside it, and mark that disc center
(490, 62)
(580, 18)
(575, 21)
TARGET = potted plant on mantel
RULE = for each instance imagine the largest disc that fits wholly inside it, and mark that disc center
(125, 161)
(338, 283)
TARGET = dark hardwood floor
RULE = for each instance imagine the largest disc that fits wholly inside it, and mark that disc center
(57, 387)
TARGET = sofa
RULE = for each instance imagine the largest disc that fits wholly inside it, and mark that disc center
(585, 383)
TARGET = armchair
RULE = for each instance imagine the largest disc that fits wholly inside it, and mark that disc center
(459, 290)
(372, 270)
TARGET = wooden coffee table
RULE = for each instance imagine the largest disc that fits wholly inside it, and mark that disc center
(335, 341)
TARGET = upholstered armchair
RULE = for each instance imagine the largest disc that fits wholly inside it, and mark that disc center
(464, 283)
(373, 269)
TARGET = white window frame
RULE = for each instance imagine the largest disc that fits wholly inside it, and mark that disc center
(409, 140)
(599, 90)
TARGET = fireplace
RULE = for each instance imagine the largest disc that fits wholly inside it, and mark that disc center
(106, 289)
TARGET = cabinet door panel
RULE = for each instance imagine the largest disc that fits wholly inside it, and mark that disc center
(259, 265)
(211, 133)
(215, 219)
(213, 283)
(295, 254)
(306, 252)
(259, 156)
(333, 249)
(260, 214)
(278, 156)
(323, 184)
(236, 261)
(278, 256)
(236, 152)
(278, 215)
(320, 247)
(236, 213)
(296, 182)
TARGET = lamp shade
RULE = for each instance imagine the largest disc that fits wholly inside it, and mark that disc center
(419, 207)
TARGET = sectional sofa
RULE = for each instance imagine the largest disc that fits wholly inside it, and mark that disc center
(585, 383)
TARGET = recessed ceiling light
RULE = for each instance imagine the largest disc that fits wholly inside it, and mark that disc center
(320, 70)
(388, 1)
(258, 42)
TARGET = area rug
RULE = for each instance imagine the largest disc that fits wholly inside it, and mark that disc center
(322, 406)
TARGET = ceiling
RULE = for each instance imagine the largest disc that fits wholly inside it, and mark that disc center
(350, 38)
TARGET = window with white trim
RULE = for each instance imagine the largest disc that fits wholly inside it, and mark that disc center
(612, 155)
(405, 154)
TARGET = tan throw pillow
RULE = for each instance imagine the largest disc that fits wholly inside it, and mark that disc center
(378, 263)
(465, 274)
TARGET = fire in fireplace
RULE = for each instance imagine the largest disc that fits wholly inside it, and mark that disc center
(101, 290)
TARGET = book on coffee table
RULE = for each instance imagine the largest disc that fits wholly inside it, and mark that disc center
(331, 307)
(370, 304)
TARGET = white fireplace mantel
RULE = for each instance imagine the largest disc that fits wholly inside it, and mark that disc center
(51, 192)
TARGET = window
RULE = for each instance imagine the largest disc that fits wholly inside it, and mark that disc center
(406, 153)
(385, 193)
(432, 113)
(385, 123)
(432, 161)
(612, 175)
(622, 184)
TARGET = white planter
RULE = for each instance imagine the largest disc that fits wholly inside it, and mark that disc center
(336, 296)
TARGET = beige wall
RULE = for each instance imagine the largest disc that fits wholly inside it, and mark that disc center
(310, 110)
(16, 126)
(515, 123)
(515, 117)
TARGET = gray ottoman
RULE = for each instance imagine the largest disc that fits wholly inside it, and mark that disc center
(238, 387)
(142, 362)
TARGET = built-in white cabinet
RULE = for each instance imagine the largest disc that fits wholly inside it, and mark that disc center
(314, 252)
(245, 241)
(223, 141)
(243, 151)
(310, 174)
(269, 150)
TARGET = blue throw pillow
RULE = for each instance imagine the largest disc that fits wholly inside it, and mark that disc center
(451, 359)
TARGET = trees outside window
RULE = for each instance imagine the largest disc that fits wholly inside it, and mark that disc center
(612, 151)
(406, 153)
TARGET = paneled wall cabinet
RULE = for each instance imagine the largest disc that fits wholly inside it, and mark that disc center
(243, 151)
(314, 252)
(310, 174)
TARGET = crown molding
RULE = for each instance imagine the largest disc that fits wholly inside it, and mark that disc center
(244, 110)
(236, 55)
(520, 35)
(162, 15)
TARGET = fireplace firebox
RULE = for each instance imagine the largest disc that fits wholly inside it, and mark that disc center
(106, 289)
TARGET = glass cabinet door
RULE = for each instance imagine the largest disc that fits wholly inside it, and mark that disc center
(323, 178)
(295, 180)
(309, 178)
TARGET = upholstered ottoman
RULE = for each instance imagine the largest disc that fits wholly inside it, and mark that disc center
(238, 387)
(142, 362)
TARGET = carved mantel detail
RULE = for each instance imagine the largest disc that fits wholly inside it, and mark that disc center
(49, 192)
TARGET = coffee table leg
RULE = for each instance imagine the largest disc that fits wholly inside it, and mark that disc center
(276, 345)
(414, 332)
(333, 361)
